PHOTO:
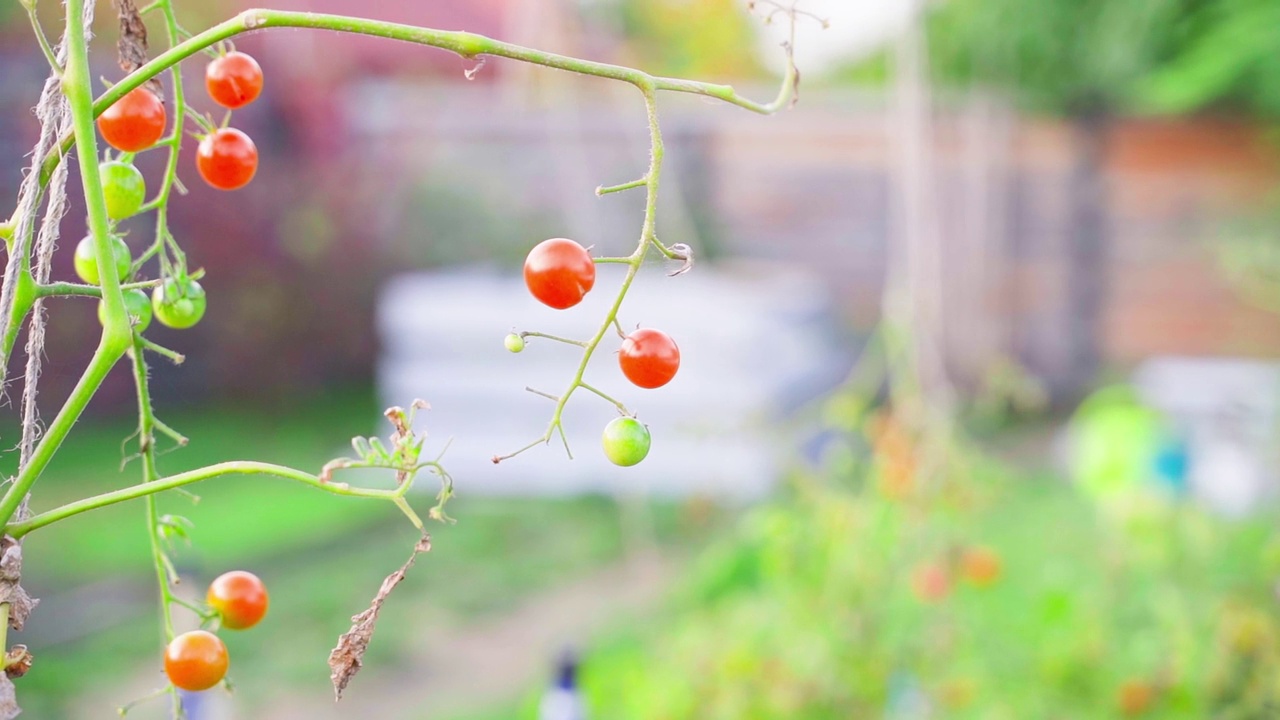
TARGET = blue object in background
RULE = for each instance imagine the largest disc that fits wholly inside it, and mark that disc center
(563, 700)
(1170, 464)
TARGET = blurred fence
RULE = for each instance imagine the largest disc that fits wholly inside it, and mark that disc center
(814, 187)
(754, 345)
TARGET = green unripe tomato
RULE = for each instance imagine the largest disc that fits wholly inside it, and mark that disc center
(514, 343)
(86, 260)
(136, 304)
(123, 187)
(626, 441)
(178, 304)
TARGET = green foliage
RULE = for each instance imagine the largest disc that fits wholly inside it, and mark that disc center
(708, 38)
(811, 609)
(1229, 55)
(1058, 55)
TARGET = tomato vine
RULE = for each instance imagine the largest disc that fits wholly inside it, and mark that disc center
(129, 118)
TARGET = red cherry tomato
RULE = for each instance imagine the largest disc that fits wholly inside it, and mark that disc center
(134, 122)
(240, 598)
(227, 159)
(559, 272)
(196, 660)
(233, 80)
(649, 358)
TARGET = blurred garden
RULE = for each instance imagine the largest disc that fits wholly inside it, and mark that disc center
(1040, 242)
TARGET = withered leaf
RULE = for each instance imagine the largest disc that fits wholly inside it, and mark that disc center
(8, 700)
(20, 603)
(346, 659)
(131, 49)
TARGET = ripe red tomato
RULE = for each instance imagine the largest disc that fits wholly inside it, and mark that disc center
(196, 660)
(134, 122)
(233, 80)
(240, 598)
(649, 358)
(559, 272)
(227, 159)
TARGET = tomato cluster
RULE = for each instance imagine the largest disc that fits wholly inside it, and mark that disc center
(559, 273)
(198, 660)
(226, 158)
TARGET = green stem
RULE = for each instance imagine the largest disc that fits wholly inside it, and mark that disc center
(235, 467)
(647, 235)
(556, 338)
(43, 40)
(146, 446)
(468, 45)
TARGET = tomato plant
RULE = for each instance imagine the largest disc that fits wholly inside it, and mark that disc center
(626, 441)
(132, 118)
(178, 304)
(196, 660)
(133, 123)
(123, 188)
(559, 273)
(227, 159)
(649, 358)
(233, 80)
(86, 260)
(240, 598)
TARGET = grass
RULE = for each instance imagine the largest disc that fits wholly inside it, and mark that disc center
(323, 557)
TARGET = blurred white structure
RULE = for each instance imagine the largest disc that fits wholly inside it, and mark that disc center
(1228, 411)
(754, 342)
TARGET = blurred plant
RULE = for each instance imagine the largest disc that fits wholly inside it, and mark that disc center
(1248, 254)
(708, 37)
(986, 596)
(133, 119)
(1227, 54)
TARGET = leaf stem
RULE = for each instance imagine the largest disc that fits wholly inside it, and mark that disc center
(235, 467)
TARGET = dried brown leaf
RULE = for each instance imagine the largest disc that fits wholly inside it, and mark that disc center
(20, 603)
(8, 700)
(18, 661)
(131, 49)
(346, 659)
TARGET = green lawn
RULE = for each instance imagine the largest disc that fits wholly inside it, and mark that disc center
(322, 556)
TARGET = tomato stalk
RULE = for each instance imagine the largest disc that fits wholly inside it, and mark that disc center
(116, 333)
(467, 45)
(172, 482)
(648, 236)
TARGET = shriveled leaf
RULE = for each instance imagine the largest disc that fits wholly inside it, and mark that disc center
(131, 49)
(347, 658)
(20, 603)
(8, 701)
(18, 661)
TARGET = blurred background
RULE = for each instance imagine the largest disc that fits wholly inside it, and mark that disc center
(978, 411)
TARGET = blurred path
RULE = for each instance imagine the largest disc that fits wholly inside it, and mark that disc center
(471, 668)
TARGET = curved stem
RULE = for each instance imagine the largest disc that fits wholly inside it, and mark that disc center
(648, 234)
(468, 45)
(235, 467)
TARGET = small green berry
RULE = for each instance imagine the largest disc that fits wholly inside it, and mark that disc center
(626, 441)
(514, 343)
